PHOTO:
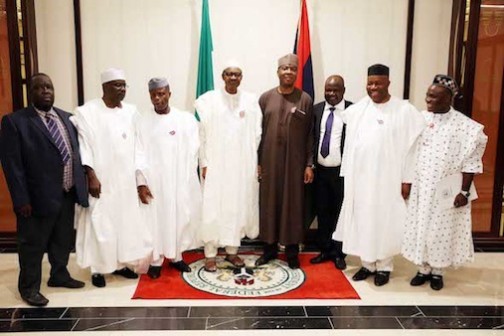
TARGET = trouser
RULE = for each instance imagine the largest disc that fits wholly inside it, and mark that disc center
(270, 251)
(385, 265)
(427, 269)
(328, 200)
(36, 235)
(211, 250)
(159, 262)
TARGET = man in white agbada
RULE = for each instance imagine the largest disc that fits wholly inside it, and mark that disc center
(167, 178)
(381, 131)
(230, 132)
(110, 233)
(452, 145)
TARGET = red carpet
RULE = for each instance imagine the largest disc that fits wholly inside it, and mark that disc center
(321, 281)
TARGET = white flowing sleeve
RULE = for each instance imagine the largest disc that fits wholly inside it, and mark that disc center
(415, 124)
(201, 105)
(141, 161)
(258, 122)
(86, 137)
(474, 149)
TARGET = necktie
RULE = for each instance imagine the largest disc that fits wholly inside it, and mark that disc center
(57, 137)
(324, 149)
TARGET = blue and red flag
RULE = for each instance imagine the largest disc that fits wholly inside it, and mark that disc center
(302, 49)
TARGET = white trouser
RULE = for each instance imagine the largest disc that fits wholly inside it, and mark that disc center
(427, 269)
(385, 265)
(211, 250)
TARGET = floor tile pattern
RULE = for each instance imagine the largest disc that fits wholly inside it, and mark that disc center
(254, 317)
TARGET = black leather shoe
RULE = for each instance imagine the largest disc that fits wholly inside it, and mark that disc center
(181, 266)
(35, 299)
(264, 259)
(126, 272)
(293, 263)
(436, 282)
(98, 280)
(340, 263)
(362, 274)
(381, 278)
(322, 257)
(154, 272)
(70, 283)
(420, 279)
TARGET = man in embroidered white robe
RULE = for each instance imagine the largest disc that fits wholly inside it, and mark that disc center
(230, 132)
(381, 130)
(437, 237)
(110, 233)
(167, 178)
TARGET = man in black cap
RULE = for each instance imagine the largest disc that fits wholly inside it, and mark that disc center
(449, 153)
(381, 130)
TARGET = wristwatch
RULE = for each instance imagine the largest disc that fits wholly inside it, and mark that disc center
(466, 194)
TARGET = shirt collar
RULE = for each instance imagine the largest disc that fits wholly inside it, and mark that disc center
(41, 113)
(339, 107)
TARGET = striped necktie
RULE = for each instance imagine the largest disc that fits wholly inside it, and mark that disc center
(52, 126)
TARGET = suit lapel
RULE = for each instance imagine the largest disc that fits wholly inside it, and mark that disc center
(37, 121)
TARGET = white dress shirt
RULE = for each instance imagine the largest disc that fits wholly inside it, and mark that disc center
(334, 157)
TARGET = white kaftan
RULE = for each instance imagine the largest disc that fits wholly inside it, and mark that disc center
(110, 233)
(375, 162)
(452, 143)
(167, 156)
(230, 132)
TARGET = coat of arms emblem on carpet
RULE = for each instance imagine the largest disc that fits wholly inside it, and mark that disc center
(250, 281)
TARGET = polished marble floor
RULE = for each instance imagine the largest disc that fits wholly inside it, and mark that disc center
(472, 303)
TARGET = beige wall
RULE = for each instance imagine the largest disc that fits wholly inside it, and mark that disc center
(431, 43)
(161, 37)
(56, 48)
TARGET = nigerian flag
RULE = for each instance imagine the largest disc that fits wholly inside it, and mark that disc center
(205, 68)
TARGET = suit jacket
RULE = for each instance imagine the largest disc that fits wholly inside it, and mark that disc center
(318, 111)
(32, 162)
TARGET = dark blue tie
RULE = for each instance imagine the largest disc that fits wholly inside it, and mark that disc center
(324, 150)
(57, 137)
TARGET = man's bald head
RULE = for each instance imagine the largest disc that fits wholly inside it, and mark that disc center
(334, 89)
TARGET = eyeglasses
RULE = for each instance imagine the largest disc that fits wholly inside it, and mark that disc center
(288, 67)
(231, 74)
(120, 85)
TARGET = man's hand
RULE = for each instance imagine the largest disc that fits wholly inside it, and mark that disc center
(144, 194)
(24, 210)
(259, 173)
(405, 190)
(460, 201)
(308, 175)
(203, 172)
(94, 184)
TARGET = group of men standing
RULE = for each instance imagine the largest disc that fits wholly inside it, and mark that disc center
(374, 164)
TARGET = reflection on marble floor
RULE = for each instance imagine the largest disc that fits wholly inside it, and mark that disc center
(473, 298)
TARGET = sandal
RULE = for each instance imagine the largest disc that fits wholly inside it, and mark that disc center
(210, 265)
(235, 260)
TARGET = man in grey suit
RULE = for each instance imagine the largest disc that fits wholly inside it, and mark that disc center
(40, 158)
(329, 132)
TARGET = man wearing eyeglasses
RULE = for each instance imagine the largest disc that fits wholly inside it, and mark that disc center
(286, 163)
(230, 131)
(110, 234)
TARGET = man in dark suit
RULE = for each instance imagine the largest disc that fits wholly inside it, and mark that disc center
(40, 158)
(329, 139)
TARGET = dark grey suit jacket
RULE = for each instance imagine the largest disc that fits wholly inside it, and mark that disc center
(32, 162)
